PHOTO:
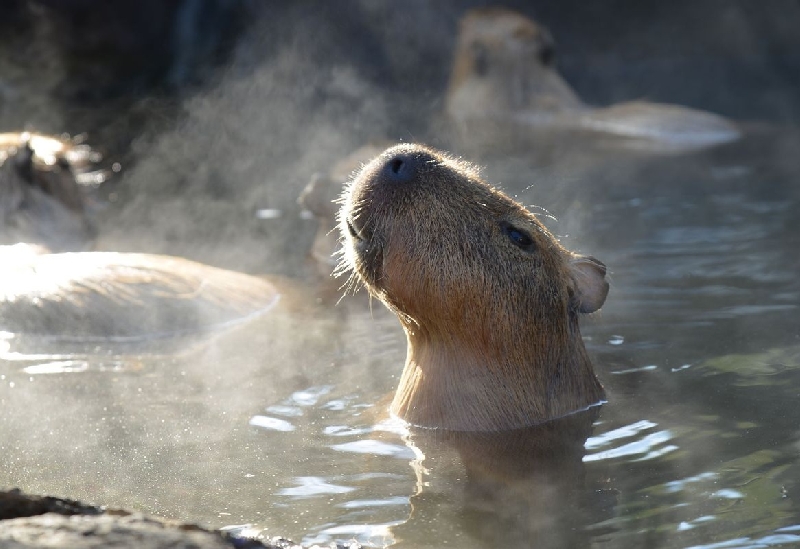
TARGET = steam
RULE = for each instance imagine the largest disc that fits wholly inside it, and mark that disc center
(304, 87)
(248, 144)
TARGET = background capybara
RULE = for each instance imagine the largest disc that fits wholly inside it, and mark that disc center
(45, 185)
(505, 89)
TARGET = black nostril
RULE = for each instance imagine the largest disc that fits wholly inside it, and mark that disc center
(400, 168)
(395, 165)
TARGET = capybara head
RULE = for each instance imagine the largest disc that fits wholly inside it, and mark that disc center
(488, 298)
(41, 200)
(504, 63)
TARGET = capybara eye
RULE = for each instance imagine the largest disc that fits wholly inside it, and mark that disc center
(352, 231)
(481, 58)
(547, 49)
(519, 237)
(547, 55)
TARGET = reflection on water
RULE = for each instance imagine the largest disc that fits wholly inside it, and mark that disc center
(281, 424)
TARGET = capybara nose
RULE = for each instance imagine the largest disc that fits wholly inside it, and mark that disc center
(400, 168)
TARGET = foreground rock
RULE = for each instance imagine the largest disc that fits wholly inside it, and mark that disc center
(28, 522)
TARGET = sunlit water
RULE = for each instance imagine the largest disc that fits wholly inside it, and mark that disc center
(281, 425)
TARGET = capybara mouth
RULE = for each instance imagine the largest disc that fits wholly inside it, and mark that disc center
(354, 233)
(365, 254)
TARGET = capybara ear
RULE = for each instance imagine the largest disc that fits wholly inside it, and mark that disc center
(590, 285)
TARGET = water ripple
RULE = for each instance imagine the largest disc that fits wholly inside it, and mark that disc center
(375, 447)
(271, 423)
(678, 485)
(748, 543)
(605, 439)
(313, 486)
(367, 503)
(310, 396)
(648, 447)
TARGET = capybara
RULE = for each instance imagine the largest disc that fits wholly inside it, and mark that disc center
(42, 191)
(318, 197)
(488, 298)
(96, 296)
(504, 85)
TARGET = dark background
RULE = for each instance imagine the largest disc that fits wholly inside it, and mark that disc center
(738, 58)
(218, 108)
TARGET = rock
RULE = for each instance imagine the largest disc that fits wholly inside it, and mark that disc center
(28, 522)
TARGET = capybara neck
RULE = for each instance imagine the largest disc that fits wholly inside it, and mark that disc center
(462, 381)
(488, 298)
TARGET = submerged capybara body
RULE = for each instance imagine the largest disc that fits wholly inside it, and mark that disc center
(504, 86)
(488, 298)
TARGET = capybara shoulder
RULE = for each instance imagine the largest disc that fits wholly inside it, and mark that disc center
(99, 296)
(488, 298)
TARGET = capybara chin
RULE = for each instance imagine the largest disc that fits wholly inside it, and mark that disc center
(488, 298)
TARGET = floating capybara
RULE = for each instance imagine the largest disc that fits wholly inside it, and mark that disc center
(42, 191)
(504, 84)
(488, 298)
(107, 296)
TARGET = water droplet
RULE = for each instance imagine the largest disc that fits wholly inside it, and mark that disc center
(268, 213)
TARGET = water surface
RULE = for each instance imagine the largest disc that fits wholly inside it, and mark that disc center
(281, 424)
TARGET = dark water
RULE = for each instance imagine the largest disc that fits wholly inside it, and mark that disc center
(281, 425)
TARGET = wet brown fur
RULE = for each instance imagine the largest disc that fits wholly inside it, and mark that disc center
(492, 329)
